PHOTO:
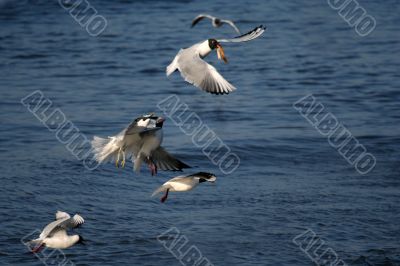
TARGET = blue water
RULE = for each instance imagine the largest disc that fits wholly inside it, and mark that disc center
(290, 179)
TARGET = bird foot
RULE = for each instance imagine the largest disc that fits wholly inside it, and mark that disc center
(153, 168)
(37, 248)
(164, 198)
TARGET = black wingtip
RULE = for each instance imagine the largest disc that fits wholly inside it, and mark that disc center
(247, 33)
(206, 175)
(183, 165)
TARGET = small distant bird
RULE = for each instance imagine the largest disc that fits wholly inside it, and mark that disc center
(183, 183)
(196, 71)
(141, 140)
(216, 22)
(54, 235)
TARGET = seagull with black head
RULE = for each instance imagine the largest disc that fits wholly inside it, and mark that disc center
(195, 70)
(184, 183)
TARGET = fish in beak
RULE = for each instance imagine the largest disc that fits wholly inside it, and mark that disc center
(221, 53)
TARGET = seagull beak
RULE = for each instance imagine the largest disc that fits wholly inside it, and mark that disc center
(221, 53)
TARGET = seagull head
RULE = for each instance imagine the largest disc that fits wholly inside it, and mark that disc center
(206, 177)
(214, 44)
(150, 120)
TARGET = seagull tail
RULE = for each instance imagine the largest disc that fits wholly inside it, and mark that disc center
(159, 190)
(34, 245)
(104, 149)
(172, 67)
(137, 163)
(35, 242)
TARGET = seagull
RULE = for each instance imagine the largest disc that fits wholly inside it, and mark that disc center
(54, 235)
(141, 140)
(216, 22)
(183, 183)
(195, 70)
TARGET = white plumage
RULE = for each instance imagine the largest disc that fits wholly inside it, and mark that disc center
(183, 183)
(196, 71)
(141, 142)
(54, 235)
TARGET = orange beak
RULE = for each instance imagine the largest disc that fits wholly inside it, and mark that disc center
(221, 53)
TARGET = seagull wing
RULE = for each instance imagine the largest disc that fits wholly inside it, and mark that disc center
(200, 17)
(61, 215)
(251, 35)
(203, 75)
(61, 225)
(165, 161)
(230, 22)
(51, 228)
(73, 222)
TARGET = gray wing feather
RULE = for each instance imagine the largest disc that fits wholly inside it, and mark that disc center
(61, 224)
(231, 24)
(165, 161)
(61, 215)
(203, 75)
(251, 35)
(200, 17)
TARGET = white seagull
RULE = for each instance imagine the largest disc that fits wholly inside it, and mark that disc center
(195, 70)
(141, 141)
(216, 22)
(54, 235)
(183, 183)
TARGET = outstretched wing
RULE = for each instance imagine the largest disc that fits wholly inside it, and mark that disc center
(62, 215)
(165, 161)
(61, 224)
(200, 17)
(73, 222)
(203, 75)
(230, 22)
(251, 35)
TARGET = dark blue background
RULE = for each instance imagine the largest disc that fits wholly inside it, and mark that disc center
(289, 179)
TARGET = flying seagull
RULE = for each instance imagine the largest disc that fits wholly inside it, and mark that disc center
(54, 235)
(216, 22)
(195, 70)
(183, 183)
(141, 141)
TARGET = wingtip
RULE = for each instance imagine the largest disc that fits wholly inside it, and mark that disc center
(182, 165)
